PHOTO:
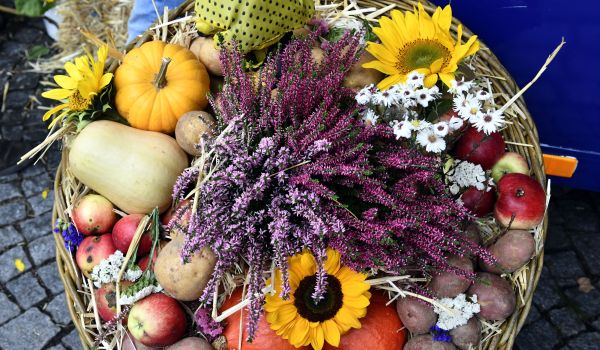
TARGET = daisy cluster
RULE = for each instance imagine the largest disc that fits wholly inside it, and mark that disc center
(108, 270)
(456, 311)
(400, 108)
(465, 174)
(130, 299)
(474, 104)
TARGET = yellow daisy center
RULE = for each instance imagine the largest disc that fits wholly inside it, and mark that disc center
(78, 102)
(324, 309)
(420, 53)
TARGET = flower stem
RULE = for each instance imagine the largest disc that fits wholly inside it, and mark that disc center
(161, 78)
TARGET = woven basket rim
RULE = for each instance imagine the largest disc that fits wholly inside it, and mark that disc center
(523, 132)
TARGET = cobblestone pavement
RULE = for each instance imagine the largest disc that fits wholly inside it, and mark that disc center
(33, 315)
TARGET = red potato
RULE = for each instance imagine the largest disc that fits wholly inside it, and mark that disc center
(191, 343)
(130, 343)
(426, 342)
(495, 296)
(467, 336)
(92, 251)
(447, 284)
(124, 231)
(473, 234)
(512, 251)
(416, 315)
(93, 214)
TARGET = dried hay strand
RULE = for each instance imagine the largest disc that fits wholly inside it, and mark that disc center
(177, 26)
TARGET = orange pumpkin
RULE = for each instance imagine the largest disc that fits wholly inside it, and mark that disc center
(381, 329)
(265, 337)
(157, 83)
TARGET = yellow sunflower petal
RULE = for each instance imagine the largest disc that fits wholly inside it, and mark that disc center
(447, 78)
(73, 71)
(354, 288)
(65, 82)
(358, 302)
(382, 67)
(345, 317)
(307, 261)
(391, 81)
(381, 53)
(57, 94)
(57, 119)
(426, 26)
(430, 80)
(298, 335)
(52, 111)
(331, 332)
(318, 338)
(105, 80)
(332, 263)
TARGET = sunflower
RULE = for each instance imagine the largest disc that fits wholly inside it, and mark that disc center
(415, 41)
(300, 319)
(85, 80)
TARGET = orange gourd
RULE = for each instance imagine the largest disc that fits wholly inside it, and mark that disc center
(381, 329)
(157, 83)
(265, 337)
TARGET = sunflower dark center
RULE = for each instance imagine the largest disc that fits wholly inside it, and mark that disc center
(324, 309)
(421, 53)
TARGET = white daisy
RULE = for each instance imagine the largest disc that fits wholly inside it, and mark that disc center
(460, 87)
(435, 91)
(489, 122)
(483, 95)
(365, 95)
(405, 91)
(414, 79)
(370, 117)
(419, 124)
(455, 123)
(432, 142)
(424, 96)
(441, 129)
(402, 129)
(385, 98)
(467, 106)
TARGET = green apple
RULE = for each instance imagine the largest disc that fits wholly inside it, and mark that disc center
(510, 162)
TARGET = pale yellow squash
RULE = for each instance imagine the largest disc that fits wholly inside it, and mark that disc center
(134, 169)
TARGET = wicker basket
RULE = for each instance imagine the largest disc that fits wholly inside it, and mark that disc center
(521, 134)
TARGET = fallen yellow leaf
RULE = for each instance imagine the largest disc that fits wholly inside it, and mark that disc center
(20, 265)
(45, 193)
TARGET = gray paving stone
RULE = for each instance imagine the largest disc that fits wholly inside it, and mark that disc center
(580, 216)
(585, 341)
(36, 227)
(39, 205)
(7, 263)
(547, 294)
(12, 132)
(565, 268)
(17, 99)
(9, 178)
(8, 309)
(539, 335)
(24, 81)
(30, 331)
(596, 324)
(57, 308)
(9, 237)
(588, 246)
(34, 170)
(42, 249)
(72, 341)
(587, 303)
(35, 186)
(12, 212)
(9, 191)
(567, 322)
(556, 238)
(26, 290)
(50, 278)
(57, 347)
(533, 315)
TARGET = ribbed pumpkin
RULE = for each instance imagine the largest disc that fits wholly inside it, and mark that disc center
(157, 83)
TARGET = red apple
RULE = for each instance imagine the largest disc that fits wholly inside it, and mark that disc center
(477, 147)
(510, 162)
(186, 203)
(92, 251)
(143, 262)
(446, 117)
(521, 200)
(124, 231)
(93, 214)
(157, 321)
(106, 300)
(479, 202)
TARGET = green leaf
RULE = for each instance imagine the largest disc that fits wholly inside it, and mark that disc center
(31, 8)
(36, 52)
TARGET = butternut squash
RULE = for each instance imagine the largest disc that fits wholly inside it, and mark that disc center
(134, 169)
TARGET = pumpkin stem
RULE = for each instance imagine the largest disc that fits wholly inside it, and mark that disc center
(161, 78)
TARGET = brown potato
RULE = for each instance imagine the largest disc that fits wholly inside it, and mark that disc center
(191, 343)
(359, 77)
(426, 342)
(468, 335)
(191, 127)
(512, 251)
(183, 281)
(416, 315)
(447, 284)
(495, 296)
(205, 51)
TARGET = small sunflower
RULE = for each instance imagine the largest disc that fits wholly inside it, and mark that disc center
(300, 319)
(85, 80)
(415, 41)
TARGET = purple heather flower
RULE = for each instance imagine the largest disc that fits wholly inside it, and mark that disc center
(207, 325)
